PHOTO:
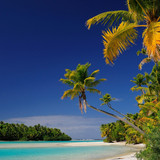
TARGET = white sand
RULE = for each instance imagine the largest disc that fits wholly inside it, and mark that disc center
(126, 157)
(42, 145)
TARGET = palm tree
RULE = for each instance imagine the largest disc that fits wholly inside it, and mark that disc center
(140, 13)
(106, 101)
(81, 81)
(140, 81)
(149, 85)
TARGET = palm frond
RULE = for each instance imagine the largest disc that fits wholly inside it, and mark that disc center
(151, 40)
(135, 88)
(88, 81)
(73, 76)
(74, 94)
(145, 60)
(109, 17)
(67, 74)
(118, 40)
(138, 7)
(67, 81)
(93, 90)
(94, 73)
(78, 87)
(142, 51)
(95, 83)
(68, 93)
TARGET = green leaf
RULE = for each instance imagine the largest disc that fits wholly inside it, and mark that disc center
(93, 90)
(94, 73)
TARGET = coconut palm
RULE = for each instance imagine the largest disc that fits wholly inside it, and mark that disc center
(140, 13)
(149, 84)
(106, 101)
(81, 81)
(140, 81)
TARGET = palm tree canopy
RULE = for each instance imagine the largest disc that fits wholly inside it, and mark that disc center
(139, 80)
(80, 81)
(140, 13)
(106, 99)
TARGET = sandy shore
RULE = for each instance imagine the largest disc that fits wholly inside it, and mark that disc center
(45, 145)
(124, 157)
(128, 156)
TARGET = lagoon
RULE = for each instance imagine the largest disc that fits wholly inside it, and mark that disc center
(74, 150)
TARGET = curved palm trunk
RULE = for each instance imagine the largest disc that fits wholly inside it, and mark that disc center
(117, 117)
(109, 105)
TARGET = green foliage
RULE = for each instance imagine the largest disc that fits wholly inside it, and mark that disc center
(81, 81)
(113, 131)
(106, 99)
(139, 13)
(119, 131)
(12, 132)
(152, 151)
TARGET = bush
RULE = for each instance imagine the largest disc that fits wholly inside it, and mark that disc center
(152, 151)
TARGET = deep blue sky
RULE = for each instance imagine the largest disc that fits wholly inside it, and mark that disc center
(39, 39)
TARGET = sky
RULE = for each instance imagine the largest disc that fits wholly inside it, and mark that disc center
(38, 41)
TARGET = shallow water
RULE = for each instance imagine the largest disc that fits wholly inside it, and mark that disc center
(63, 153)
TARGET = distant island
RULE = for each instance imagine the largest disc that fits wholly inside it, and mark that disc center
(21, 132)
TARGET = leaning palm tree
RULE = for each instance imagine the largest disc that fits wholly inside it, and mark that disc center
(140, 13)
(106, 99)
(81, 81)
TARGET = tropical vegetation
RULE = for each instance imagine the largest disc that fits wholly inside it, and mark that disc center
(140, 13)
(81, 81)
(152, 151)
(145, 125)
(14, 132)
(120, 131)
(148, 118)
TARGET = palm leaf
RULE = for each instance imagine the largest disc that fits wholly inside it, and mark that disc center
(118, 40)
(135, 88)
(68, 93)
(145, 60)
(68, 72)
(78, 87)
(67, 81)
(138, 6)
(94, 73)
(95, 83)
(110, 16)
(73, 76)
(151, 40)
(93, 90)
(88, 81)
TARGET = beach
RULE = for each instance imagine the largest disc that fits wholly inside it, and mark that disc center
(126, 156)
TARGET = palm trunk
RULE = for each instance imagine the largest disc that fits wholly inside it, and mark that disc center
(117, 117)
(109, 105)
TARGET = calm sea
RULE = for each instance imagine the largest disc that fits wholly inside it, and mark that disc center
(62, 153)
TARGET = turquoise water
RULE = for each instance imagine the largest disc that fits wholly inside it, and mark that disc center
(63, 153)
(73, 141)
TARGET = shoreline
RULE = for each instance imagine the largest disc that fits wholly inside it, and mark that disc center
(127, 156)
(124, 156)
